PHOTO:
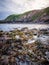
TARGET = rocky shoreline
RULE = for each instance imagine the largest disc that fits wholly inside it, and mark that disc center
(24, 47)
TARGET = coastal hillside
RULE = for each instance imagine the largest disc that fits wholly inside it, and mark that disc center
(35, 16)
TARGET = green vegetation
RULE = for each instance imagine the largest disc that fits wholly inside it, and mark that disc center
(36, 16)
(30, 16)
(47, 10)
(12, 17)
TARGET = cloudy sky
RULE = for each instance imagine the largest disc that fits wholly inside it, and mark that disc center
(8, 7)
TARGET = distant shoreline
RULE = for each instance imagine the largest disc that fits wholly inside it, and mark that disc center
(25, 23)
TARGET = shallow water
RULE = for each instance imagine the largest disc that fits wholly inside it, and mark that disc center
(8, 27)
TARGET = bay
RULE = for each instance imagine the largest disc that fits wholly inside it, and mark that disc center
(8, 27)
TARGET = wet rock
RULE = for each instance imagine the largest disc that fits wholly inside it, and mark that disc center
(47, 55)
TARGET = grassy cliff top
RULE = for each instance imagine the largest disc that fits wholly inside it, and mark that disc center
(33, 15)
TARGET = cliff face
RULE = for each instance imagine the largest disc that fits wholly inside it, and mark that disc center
(35, 16)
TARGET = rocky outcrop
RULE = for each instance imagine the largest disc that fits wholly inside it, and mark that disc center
(35, 16)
